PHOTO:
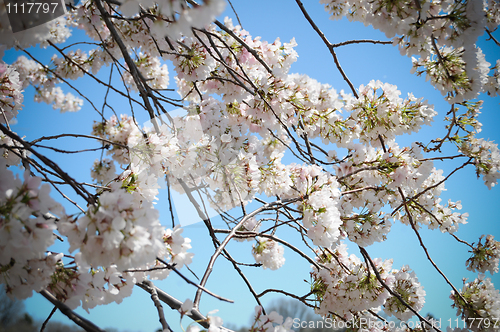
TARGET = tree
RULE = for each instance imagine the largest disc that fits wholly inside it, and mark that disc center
(9, 309)
(14, 319)
(283, 160)
(304, 318)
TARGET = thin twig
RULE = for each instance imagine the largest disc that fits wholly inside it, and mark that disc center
(274, 238)
(130, 63)
(413, 198)
(79, 189)
(235, 13)
(175, 304)
(412, 224)
(300, 298)
(329, 45)
(78, 135)
(171, 267)
(361, 41)
(491, 36)
(48, 318)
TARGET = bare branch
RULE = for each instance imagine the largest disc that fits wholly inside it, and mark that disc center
(410, 218)
(42, 328)
(159, 308)
(171, 267)
(329, 45)
(80, 190)
(130, 63)
(362, 41)
(226, 240)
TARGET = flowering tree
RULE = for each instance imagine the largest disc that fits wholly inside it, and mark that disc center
(266, 149)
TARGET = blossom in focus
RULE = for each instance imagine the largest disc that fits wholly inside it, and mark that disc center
(268, 253)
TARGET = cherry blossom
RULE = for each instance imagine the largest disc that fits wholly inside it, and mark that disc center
(406, 286)
(122, 230)
(331, 165)
(268, 253)
(347, 287)
(270, 322)
(485, 257)
(11, 96)
(477, 299)
(26, 231)
(440, 33)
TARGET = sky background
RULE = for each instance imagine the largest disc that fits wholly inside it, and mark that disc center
(362, 63)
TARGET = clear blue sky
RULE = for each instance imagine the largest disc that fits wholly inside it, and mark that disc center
(362, 63)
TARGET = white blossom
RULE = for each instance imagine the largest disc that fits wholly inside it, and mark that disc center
(268, 253)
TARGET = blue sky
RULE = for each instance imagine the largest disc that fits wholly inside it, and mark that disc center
(362, 63)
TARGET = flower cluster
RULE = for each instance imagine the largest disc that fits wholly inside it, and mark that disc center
(442, 33)
(35, 275)
(121, 132)
(446, 219)
(385, 173)
(380, 112)
(268, 253)
(493, 85)
(487, 159)
(366, 228)
(11, 152)
(249, 225)
(174, 252)
(347, 286)
(70, 66)
(427, 210)
(152, 70)
(122, 229)
(44, 80)
(321, 215)
(477, 299)
(88, 287)
(455, 80)
(11, 96)
(59, 100)
(273, 322)
(193, 61)
(120, 243)
(26, 231)
(485, 257)
(406, 285)
(103, 171)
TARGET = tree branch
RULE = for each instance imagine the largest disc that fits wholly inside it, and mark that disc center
(329, 45)
(65, 310)
(159, 308)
